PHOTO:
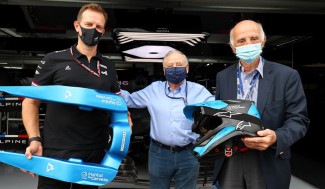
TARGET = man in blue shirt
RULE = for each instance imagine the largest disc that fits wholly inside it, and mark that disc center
(170, 152)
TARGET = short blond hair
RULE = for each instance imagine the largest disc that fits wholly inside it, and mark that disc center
(93, 7)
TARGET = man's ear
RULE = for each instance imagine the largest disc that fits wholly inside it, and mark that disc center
(263, 42)
(76, 26)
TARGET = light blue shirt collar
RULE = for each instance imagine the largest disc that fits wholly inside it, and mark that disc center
(259, 67)
(181, 89)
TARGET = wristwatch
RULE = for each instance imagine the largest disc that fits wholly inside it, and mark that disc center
(37, 138)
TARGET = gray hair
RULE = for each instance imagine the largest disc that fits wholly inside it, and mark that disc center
(231, 40)
(175, 52)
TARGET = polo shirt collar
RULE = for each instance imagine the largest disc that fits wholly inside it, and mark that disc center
(78, 55)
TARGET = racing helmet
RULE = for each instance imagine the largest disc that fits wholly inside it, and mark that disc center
(217, 121)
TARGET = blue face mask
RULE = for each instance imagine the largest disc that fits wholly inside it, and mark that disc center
(249, 53)
(175, 74)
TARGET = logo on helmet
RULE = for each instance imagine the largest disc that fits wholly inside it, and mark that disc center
(242, 124)
(226, 114)
(234, 107)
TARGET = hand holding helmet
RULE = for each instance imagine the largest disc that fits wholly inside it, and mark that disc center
(217, 121)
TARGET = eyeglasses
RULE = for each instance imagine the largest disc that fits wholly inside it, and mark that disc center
(184, 99)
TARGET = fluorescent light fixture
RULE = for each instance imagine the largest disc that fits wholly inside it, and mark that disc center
(130, 59)
(138, 45)
(3, 63)
(149, 51)
(10, 32)
(190, 39)
(13, 67)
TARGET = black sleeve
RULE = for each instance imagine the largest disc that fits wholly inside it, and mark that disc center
(44, 72)
(114, 78)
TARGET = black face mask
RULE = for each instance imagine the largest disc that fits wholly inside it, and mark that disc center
(90, 36)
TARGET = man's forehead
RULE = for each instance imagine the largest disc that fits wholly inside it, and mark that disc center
(175, 61)
(247, 36)
(92, 16)
(246, 32)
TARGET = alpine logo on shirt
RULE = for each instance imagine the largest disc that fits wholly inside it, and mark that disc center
(67, 68)
(39, 67)
(103, 66)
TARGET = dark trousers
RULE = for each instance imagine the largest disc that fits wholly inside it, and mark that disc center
(242, 171)
(94, 156)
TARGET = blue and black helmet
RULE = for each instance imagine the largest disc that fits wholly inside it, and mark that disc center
(217, 121)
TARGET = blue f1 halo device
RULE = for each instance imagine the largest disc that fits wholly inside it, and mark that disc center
(217, 121)
(75, 170)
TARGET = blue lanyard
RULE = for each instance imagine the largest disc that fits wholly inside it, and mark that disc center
(184, 99)
(240, 86)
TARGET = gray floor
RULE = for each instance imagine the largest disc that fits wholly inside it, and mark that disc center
(13, 178)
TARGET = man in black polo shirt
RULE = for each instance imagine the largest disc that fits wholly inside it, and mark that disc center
(68, 131)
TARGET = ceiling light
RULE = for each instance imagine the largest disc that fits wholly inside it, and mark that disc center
(10, 32)
(138, 45)
(153, 60)
(191, 39)
(149, 51)
(13, 67)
